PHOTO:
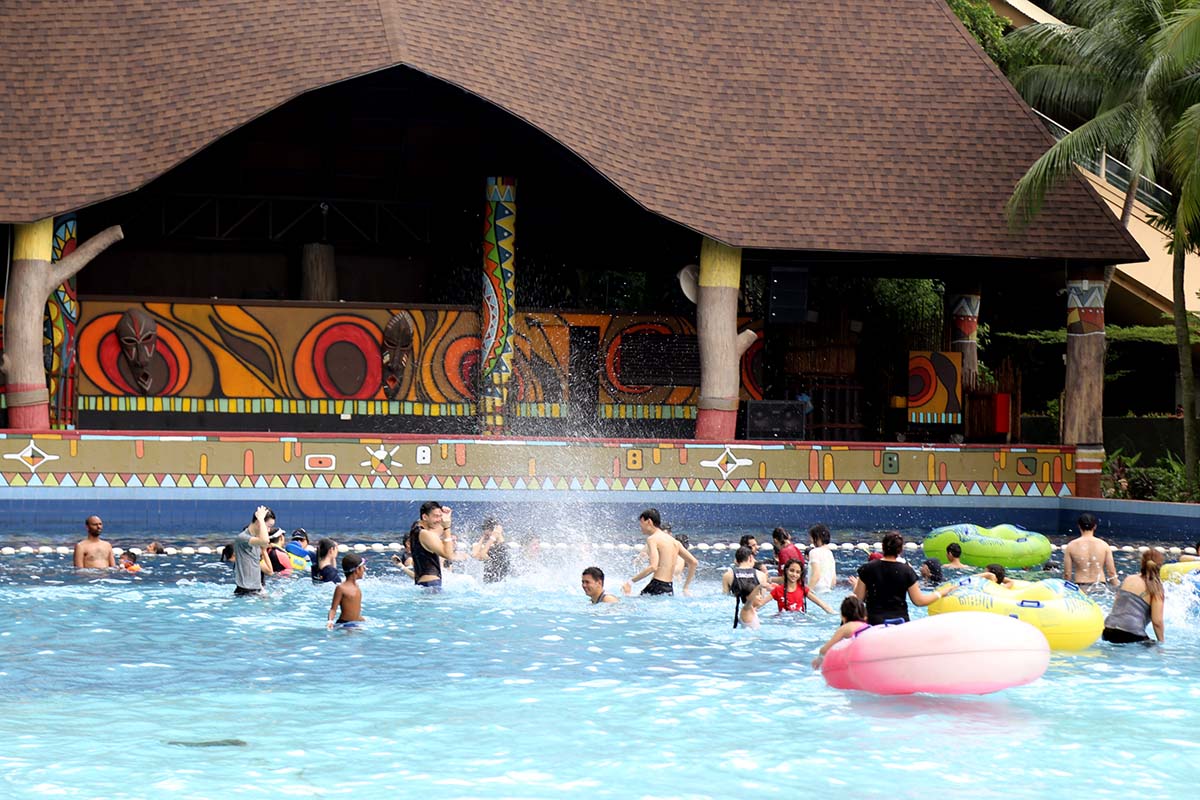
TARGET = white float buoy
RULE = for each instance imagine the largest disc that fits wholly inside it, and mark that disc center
(1125, 548)
(1160, 549)
(8, 551)
(203, 550)
(847, 545)
(720, 546)
(170, 551)
(1191, 551)
(116, 550)
(136, 550)
(45, 549)
(360, 548)
(878, 545)
(188, 551)
(910, 545)
(765, 546)
(1142, 549)
(63, 551)
(395, 546)
(1176, 551)
(702, 546)
(377, 547)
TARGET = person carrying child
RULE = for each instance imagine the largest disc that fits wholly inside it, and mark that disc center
(854, 622)
(348, 595)
(749, 587)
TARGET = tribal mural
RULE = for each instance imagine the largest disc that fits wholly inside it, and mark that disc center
(342, 360)
(499, 301)
(58, 331)
(935, 388)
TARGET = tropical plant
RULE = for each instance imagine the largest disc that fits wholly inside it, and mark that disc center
(1129, 68)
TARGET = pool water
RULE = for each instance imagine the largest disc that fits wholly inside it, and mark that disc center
(162, 684)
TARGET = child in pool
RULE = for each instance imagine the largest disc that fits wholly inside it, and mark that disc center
(129, 562)
(747, 615)
(348, 595)
(997, 574)
(792, 594)
(854, 620)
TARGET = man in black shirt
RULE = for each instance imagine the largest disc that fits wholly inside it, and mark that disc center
(884, 583)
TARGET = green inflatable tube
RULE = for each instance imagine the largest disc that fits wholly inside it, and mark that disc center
(1006, 545)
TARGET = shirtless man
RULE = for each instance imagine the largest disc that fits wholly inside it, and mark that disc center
(953, 557)
(91, 553)
(662, 550)
(1087, 559)
(592, 582)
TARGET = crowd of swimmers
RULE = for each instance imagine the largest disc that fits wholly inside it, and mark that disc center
(880, 591)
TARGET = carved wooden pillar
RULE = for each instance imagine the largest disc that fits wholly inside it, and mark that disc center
(499, 302)
(962, 318)
(1083, 398)
(721, 346)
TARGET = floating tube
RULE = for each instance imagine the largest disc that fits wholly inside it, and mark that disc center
(1006, 545)
(968, 653)
(1176, 571)
(1068, 618)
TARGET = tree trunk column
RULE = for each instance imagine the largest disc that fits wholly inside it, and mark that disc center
(499, 303)
(721, 347)
(962, 315)
(27, 399)
(1083, 397)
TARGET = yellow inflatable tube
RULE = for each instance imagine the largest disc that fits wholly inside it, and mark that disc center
(1068, 618)
(1175, 572)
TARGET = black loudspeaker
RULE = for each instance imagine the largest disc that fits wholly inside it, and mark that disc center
(787, 293)
(775, 419)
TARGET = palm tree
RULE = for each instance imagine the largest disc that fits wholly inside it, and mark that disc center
(1125, 69)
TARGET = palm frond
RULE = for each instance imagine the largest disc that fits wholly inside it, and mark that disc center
(1108, 131)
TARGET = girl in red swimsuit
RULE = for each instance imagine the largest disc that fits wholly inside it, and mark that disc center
(793, 593)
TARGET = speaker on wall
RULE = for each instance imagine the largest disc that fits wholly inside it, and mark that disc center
(787, 295)
(776, 419)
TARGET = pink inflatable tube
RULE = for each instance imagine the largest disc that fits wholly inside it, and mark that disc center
(969, 652)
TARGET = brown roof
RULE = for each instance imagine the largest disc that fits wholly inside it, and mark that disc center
(809, 125)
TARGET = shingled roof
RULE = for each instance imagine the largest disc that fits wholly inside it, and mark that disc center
(854, 125)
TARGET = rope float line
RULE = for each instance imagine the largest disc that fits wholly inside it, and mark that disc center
(379, 547)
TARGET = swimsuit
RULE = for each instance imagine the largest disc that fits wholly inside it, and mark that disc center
(354, 623)
(600, 599)
(655, 586)
(1128, 619)
(425, 563)
(433, 586)
(240, 591)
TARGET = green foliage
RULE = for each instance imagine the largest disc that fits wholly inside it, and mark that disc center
(988, 27)
(1141, 334)
(1166, 481)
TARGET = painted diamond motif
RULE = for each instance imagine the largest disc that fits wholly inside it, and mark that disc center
(32, 456)
(727, 462)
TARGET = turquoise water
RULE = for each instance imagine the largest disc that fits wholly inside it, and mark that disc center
(162, 684)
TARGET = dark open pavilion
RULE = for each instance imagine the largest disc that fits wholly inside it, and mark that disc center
(845, 137)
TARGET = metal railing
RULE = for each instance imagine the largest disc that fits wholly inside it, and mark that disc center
(1116, 173)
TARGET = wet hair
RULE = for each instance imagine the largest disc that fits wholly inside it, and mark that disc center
(893, 543)
(652, 515)
(743, 553)
(154, 548)
(1151, 562)
(803, 572)
(683, 539)
(129, 556)
(227, 553)
(1087, 521)
(954, 550)
(429, 505)
(746, 539)
(999, 571)
(854, 610)
(595, 573)
(935, 569)
(324, 548)
(780, 535)
(269, 515)
(488, 524)
(819, 534)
